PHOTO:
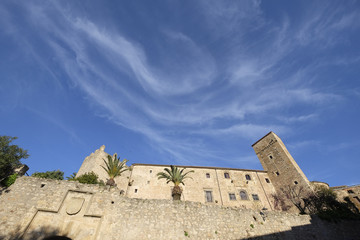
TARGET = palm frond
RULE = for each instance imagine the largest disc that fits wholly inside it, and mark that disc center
(114, 167)
(174, 174)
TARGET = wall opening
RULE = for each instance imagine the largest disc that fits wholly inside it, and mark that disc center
(57, 238)
(208, 196)
(243, 195)
(232, 196)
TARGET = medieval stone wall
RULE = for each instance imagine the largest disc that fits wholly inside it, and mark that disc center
(39, 208)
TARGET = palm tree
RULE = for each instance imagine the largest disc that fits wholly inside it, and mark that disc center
(114, 167)
(176, 176)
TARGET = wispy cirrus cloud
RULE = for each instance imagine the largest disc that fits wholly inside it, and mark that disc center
(193, 92)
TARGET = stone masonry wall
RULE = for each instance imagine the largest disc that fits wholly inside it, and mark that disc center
(39, 208)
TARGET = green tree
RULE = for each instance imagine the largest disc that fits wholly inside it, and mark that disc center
(88, 178)
(114, 167)
(58, 175)
(10, 156)
(176, 176)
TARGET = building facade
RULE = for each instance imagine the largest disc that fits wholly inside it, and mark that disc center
(243, 188)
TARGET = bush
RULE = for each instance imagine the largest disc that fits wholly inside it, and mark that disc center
(88, 178)
(9, 180)
(327, 207)
(58, 175)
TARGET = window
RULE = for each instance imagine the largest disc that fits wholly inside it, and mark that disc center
(208, 196)
(295, 182)
(243, 195)
(226, 175)
(271, 157)
(135, 190)
(255, 197)
(232, 196)
(150, 171)
(350, 191)
(247, 176)
(208, 175)
(277, 173)
(267, 180)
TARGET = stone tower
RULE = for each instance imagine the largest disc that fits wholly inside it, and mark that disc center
(282, 169)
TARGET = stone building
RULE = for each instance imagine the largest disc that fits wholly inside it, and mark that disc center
(243, 188)
(219, 203)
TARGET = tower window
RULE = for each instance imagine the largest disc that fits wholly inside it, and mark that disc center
(277, 173)
(271, 157)
(243, 195)
(247, 176)
(267, 180)
(207, 175)
(295, 182)
(150, 171)
(135, 190)
(232, 196)
(208, 196)
(255, 197)
(226, 175)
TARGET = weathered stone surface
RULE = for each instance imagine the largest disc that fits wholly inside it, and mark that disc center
(28, 208)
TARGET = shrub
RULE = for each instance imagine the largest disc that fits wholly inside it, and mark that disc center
(7, 182)
(58, 175)
(88, 178)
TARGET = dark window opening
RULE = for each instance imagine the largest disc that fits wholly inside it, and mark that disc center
(150, 171)
(255, 197)
(247, 176)
(56, 238)
(267, 180)
(226, 175)
(232, 196)
(42, 185)
(135, 190)
(350, 191)
(208, 196)
(277, 173)
(208, 175)
(295, 182)
(243, 195)
(271, 157)
(112, 202)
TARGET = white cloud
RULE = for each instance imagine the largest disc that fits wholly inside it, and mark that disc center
(188, 90)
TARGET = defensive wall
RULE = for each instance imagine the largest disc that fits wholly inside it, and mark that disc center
(36, 208)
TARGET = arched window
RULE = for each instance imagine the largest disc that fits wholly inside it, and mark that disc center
(243, 195)
(247, 176)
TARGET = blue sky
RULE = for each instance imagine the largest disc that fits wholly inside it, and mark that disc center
(183, 82)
